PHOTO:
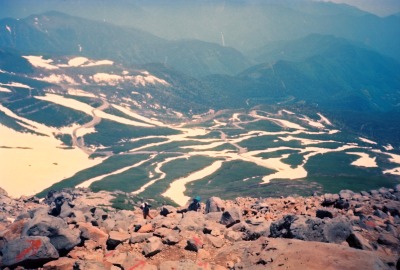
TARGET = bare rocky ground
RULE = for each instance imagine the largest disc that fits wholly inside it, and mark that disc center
(77, 229)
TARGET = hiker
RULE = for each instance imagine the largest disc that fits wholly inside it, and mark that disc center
(146, 210)
(193, 206)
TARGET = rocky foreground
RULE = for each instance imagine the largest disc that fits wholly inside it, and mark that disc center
(76, 229)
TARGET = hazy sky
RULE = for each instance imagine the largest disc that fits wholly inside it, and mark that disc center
(379, 7)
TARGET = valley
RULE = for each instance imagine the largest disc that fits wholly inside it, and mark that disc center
(265, 146)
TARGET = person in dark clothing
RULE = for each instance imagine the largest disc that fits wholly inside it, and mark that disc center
(195, 204)
(146, 210)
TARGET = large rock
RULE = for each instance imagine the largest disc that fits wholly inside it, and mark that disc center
(56, 229)
(32, 251)
(88, 231)
(116, 238)
(146, 228)
(356, 240)
(195, 243)
(192, 221)
(139, 237)
(231, 216)
(152, 247)
(216, 241)
(215, 204)
(334, 230)
(330, 199)
(173, 238)
(269, 253)
(392, 207)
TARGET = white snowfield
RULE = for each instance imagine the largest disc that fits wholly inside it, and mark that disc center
(138, 80)
(47, 161)
(39, 62)
(16, 84)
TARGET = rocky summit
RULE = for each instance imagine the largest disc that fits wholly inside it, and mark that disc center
(78, 229)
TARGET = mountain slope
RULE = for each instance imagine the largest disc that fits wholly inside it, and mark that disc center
(57, 33)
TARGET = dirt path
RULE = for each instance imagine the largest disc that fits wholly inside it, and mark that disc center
(79, 141)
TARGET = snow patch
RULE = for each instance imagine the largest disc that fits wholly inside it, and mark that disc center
(3, 89)
(110, 79)
(99, 63)
(58, 78)
(366, 140)
(364, 161)
(79, 92)
(325, 120)
(77, 61)
(388, 147)
(16, 84)
(38, 61)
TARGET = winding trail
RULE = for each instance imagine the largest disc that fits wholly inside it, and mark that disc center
(79, 141)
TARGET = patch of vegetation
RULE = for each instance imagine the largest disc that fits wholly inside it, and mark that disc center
(122, 202)
(174, 170)
(294, 160)
(228, 181)
(109, 165)
(263, 125)
(111, 133)
(334, 172)
(264, 142)
(65, 138)
(127, 146)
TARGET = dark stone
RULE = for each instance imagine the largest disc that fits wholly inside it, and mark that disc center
(392, 207)
(330, 199)
(324, 213)
(380, 214)
(342, 204)
(356, 240)
(388, 240)
(166, 210)
(334, 230)
(194, 244)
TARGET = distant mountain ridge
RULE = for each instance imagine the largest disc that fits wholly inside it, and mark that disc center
(58, 33)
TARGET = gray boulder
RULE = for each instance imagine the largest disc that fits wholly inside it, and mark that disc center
(334, 230)
(192, 221)
(346, 194)
(31, 251)
(173, 238)
(231, 216)
(152, 247)
(214, 204)
(330, 199)
(139, 237)
(392, 207)
(215, 241)
(116, 238)
(56, 229)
